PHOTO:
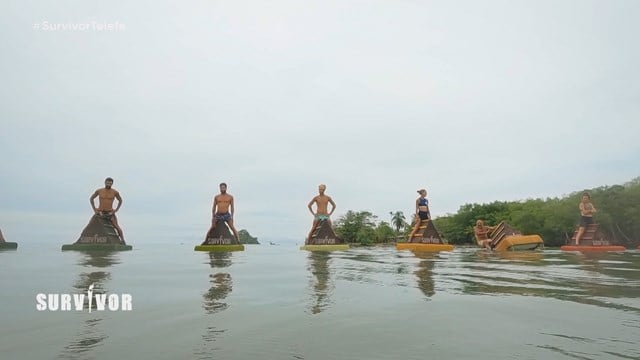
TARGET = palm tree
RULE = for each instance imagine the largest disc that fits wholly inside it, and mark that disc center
(398, 220)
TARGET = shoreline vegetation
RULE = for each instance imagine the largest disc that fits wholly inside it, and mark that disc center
(554, 219)
(246, 238)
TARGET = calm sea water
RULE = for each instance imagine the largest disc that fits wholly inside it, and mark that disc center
(278, 302)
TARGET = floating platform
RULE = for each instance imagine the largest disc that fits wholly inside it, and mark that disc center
(220, 239)
(336, 247)
(323, 238)
(505, 238)
(222, 248)
(4, 245)
(97, 247)
(426, 239)
(520, 243)
(98, 235)
(419, 247)
(591, 248)
(593, 239)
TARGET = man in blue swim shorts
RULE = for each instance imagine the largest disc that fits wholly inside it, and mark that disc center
(223, 210)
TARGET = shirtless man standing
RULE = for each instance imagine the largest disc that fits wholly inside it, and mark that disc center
(322, 202)
(105, 209)
(222, 203)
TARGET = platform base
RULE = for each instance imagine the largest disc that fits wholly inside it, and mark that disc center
(97, 247)
(8, 245)
(336, 247)
(591, 248)
(519, 243)
(424, 247)
(222, 248)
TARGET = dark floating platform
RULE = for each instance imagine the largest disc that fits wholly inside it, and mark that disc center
(221, 239)
(98, 235)
(4, 245)
(97, 247)
(8, 245)
(323, 238)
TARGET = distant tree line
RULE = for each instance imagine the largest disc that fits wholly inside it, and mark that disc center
(246, 238)
(554, 219)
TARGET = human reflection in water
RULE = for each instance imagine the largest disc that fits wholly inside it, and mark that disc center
(221, 286)
(424, 272)
(94, 271)
(320, 283)
(220, 281)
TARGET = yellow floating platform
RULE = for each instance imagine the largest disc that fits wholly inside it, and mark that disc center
(424, 247)
(336, 247)
(519, 242)
(223, 248)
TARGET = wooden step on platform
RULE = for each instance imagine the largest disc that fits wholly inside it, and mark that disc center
(426, 234)
(426, 239)
(593, 236)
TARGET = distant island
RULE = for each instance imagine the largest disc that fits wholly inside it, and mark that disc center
(246, 238)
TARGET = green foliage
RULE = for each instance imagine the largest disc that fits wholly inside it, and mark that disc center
(383, 233)
(246, 238)
(349, 227)
(360, 227)
(554, 219)
(398, 220)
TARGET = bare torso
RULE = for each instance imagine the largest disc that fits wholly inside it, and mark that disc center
(322, 203)
(586, 209)
(222, 202)
(106, 198)
(481, 232)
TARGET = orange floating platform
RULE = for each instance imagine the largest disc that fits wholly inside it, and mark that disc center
(593, 239)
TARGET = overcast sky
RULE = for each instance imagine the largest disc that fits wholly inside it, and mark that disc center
(475, 101)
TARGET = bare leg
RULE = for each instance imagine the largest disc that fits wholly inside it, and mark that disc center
(579, 234)
(235, 233)
(416, 227)
(114, 222)
(313, 227)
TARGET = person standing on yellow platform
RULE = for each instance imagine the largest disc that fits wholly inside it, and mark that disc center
(422, 210)
(322, 202)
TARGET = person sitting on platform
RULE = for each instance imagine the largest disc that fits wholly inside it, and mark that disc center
(106, 197)
(322, 201)
(586, 215)
(422, 211)
(223, 210)
(481, 232)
